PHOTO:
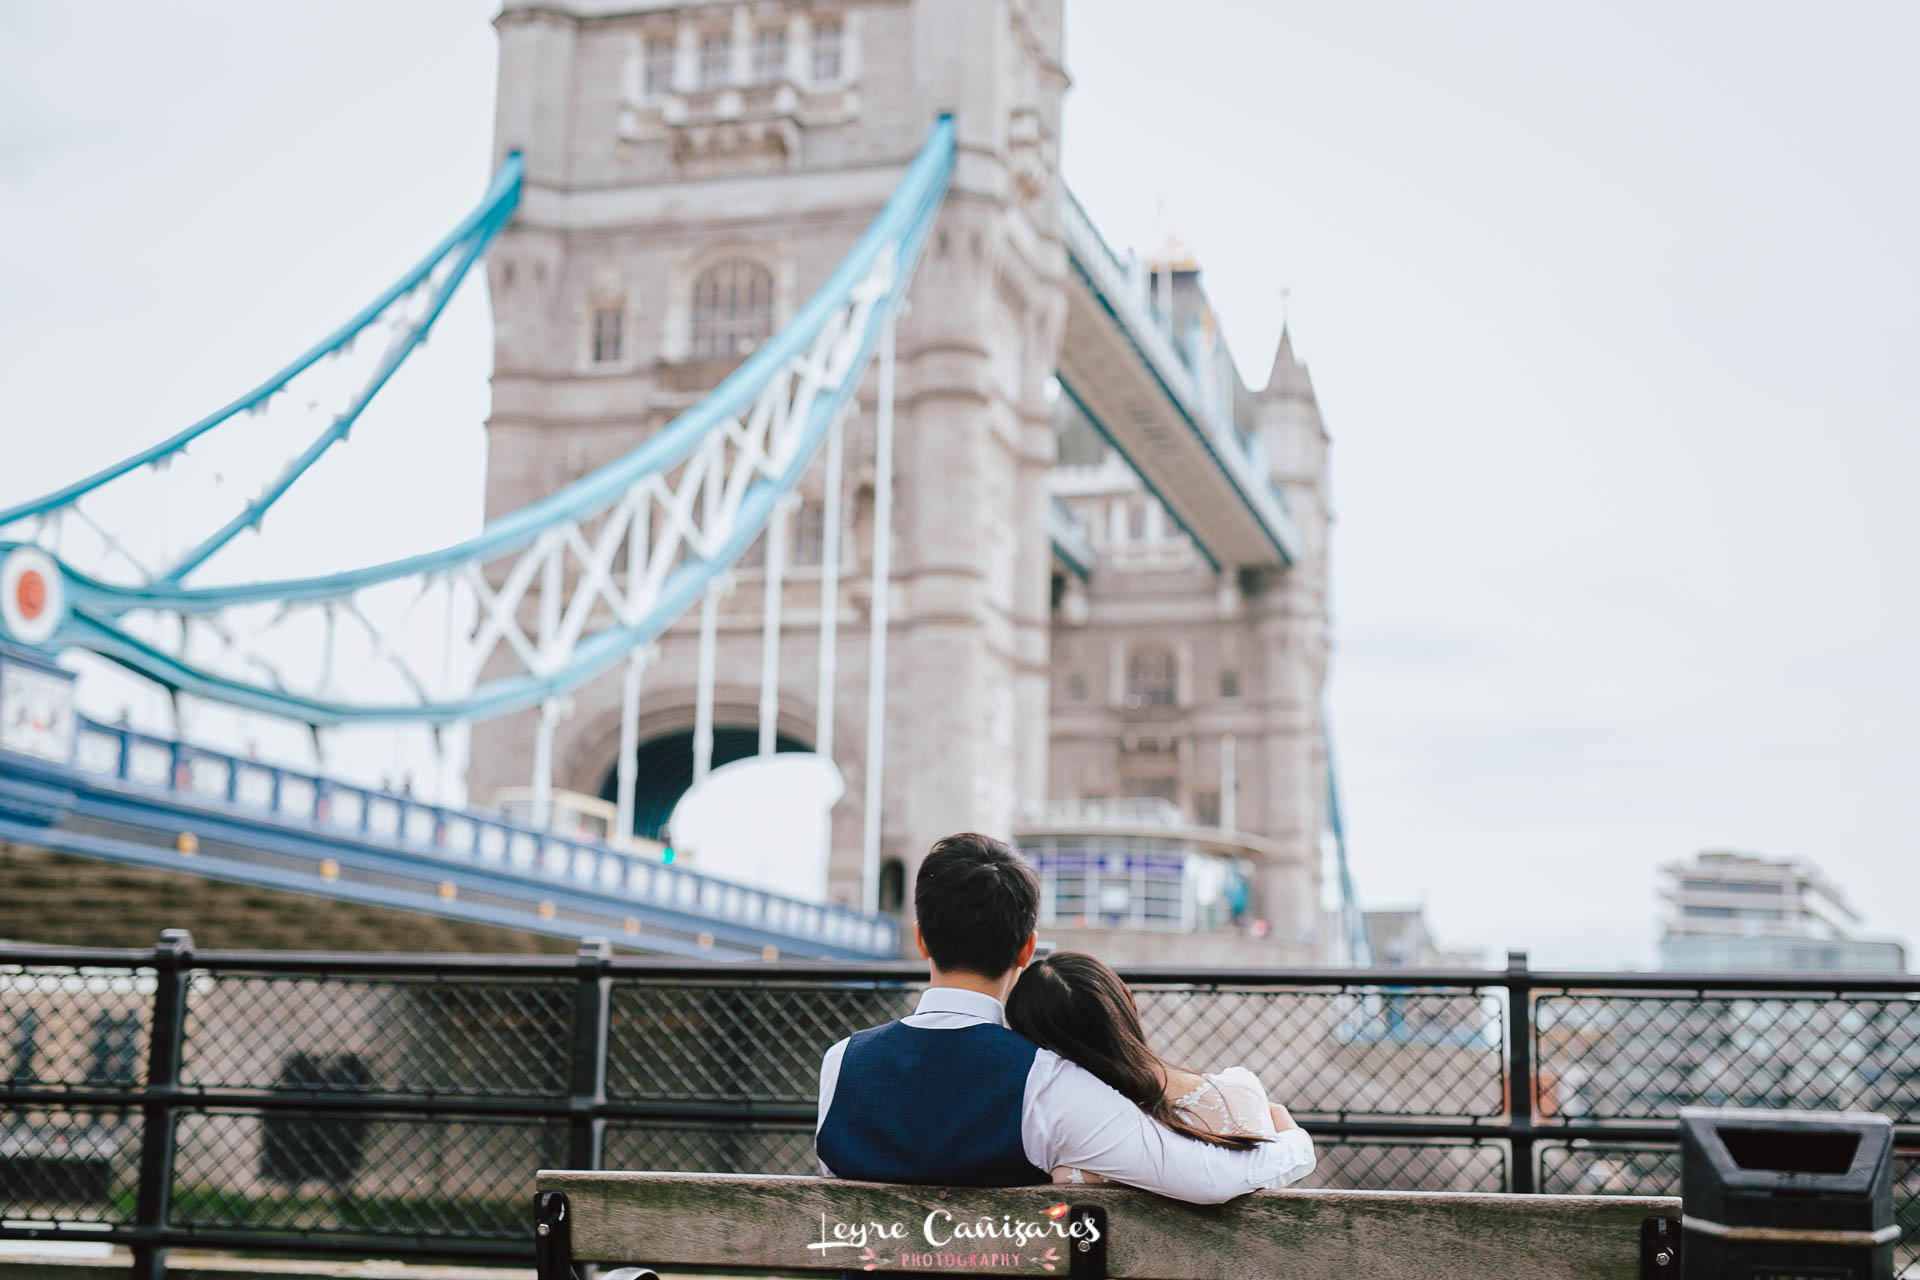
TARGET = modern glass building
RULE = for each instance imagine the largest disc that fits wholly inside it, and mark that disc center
(1735, 911)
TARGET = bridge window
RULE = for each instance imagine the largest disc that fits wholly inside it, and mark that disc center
(829, 39)
(769, 55)
(732, 309)
(893, 885)
(1150, 678)
(810, 533)
(659, 66)
(607, 323)
(716, 59)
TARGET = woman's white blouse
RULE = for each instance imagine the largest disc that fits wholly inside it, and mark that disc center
(1234, 1101)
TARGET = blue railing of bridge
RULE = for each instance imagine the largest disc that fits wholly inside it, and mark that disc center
(458, 838)
(1108, 277)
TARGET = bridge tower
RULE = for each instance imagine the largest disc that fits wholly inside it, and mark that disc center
(1291, 624)
(1189, 663)
(693, 173)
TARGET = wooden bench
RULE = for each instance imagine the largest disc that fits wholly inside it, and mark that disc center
(707, 1223)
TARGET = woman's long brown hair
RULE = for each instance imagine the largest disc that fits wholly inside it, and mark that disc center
(1073, 1004)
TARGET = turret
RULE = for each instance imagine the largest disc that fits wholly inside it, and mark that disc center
(1289, 422)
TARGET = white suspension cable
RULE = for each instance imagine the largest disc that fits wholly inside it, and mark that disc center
(703, 684)
(770, 625)
(629, 765)
(829, 598)
(877, 642)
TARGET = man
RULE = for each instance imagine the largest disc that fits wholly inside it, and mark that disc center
(950, 1095)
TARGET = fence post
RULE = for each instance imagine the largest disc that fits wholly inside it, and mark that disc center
(593, 996)
(171, 960)
(1520, 1081)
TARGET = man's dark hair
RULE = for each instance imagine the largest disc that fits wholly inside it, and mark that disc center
(976, 901)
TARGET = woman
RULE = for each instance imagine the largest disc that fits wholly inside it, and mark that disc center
(1079, 1008)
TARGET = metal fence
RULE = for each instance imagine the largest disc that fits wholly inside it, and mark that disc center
(399, 1105)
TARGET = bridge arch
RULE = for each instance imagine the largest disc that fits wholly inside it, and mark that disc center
(591, 763)
(666, 770)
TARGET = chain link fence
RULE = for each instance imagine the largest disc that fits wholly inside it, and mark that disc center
(400, 1105)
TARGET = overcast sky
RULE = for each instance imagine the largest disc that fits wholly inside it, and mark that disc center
(1611, 311)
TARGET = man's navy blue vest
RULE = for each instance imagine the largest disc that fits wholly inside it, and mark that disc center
(931, 1106)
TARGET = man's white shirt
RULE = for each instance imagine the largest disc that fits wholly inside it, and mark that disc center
(1070, 1117)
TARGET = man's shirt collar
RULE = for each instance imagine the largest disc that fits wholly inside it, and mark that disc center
(972, 1004)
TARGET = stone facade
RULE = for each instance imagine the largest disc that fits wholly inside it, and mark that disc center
(693, 173)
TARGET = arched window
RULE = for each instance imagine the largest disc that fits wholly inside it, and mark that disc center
(829, 50)
(716, 59)
(893, 885)
(810, 533)
(659, 66)
(1150, 678)
(769, 55)
(732, 309)
(606, 333)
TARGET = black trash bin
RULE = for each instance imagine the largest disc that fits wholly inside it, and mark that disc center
(1786, 1195)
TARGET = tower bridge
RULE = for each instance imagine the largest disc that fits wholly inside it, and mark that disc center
(823, 419)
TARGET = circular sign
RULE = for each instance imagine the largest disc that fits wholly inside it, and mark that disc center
(32, 595)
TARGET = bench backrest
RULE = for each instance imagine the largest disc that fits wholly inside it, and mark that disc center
(719, 1222)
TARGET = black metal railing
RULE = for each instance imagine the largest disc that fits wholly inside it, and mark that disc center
(398, 1105)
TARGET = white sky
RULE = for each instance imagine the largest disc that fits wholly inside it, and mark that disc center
(1606, 306)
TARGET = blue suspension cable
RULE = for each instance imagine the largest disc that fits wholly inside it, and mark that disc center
(498, 204)
(1351, 916)
(901, 227)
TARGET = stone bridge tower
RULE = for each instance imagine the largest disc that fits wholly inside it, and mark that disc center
(693, 173)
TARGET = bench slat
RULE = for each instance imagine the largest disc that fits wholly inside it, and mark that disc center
(722, 1221)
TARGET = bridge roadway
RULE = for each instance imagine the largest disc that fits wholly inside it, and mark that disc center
(1120, 368)
(139, 800)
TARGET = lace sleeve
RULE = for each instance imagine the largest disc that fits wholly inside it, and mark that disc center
(1243, 1100)
(1205, 1107)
